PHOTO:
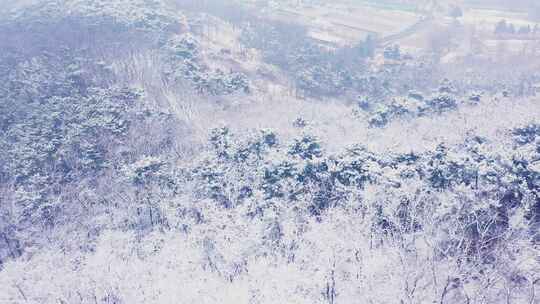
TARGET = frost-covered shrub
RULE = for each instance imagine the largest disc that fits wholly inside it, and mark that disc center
(232, 171)
(447, 87)
(66, 127)
(475, 97)
(446, 169)
(401, 106)
(356, 167)
(300, 123)
(276, 179)
(320, 79)
(150, 15)
(440, 103)
(183, 47)
(392, 52)
(380, 117)
(302, 173)
(184, 61)
(221, 142)
(144, 170)
(527, 134)
(307, 147)
(364, 103)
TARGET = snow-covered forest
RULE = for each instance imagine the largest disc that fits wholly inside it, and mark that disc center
(235, 151)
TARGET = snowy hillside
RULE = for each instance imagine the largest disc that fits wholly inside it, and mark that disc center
(265, 152)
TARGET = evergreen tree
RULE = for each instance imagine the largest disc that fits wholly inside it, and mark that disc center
(501, 27)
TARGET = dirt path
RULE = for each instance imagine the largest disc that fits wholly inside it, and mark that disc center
(411, 30)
